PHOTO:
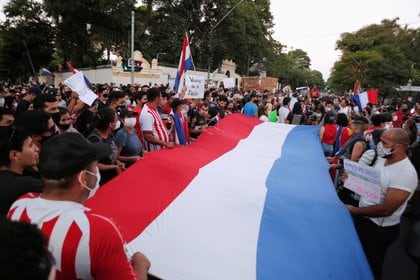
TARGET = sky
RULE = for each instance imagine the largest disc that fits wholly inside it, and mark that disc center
(315, 26)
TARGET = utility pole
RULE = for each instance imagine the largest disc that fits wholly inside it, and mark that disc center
(30, 61)
(132, 47)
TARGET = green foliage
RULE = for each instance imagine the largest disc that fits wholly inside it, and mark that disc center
(27, 25)
(378, 56)
(81, 31)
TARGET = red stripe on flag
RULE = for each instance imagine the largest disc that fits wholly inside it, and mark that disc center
(71, 68)
(373, 96)
(145, 189)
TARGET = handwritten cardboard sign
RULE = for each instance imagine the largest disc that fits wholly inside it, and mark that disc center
(363, 180)
(195, 86)
(78, 84)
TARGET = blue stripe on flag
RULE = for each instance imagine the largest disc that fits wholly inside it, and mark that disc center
(306, 232)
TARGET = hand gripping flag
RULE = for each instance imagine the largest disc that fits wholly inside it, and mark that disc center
(248, 200)
(185, 63)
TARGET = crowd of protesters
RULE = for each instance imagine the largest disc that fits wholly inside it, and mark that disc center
(133, 120)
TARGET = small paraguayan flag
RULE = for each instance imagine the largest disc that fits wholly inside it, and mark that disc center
(185, 63)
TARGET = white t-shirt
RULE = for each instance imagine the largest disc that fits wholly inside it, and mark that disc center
(400, 175)
(264, 118)
(283, 113)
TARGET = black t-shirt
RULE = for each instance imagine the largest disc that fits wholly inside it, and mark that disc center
(22, 106)
(106, 175)
(12, 186)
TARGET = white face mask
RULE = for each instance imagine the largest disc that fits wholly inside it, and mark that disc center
(130, 122)
(384, 152)
(117, 124)
(93, 190)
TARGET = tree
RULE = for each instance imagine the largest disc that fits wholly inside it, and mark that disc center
(378, 56)
(25, 31)
(86, 29)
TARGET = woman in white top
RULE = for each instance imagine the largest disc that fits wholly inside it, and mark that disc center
(264, 110)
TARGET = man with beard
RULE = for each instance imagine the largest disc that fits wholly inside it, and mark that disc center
(251, 107)
(378, 224)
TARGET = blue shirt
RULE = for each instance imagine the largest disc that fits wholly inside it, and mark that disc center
(250, 109)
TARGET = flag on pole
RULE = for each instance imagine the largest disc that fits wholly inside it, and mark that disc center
(185, 63)
(356, 87)
(46, 72)
(242, 202)
(74, 71)
(363, 98)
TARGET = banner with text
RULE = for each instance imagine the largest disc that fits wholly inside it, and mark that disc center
(363, 180)
(77, 83)
(195, 86)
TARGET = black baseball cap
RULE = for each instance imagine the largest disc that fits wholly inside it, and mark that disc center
(66, 154)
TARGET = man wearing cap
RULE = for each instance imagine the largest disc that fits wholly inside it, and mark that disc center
(377, 224)
(38, 124)
(26, 100)
(84, 245)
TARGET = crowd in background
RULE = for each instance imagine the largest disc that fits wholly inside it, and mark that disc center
(133, 120)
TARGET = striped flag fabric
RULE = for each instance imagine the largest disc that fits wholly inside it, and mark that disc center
(185, 63)
(363, 98)
(46, 72)
(248, 200)
(356, 87)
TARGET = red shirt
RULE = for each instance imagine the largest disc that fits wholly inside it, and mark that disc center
(330, 131)
(84, 245)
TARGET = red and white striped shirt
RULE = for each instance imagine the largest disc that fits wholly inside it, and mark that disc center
(84, 245)
(151, 122)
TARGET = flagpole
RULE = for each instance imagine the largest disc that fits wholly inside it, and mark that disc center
(30, 61)
(132, 47)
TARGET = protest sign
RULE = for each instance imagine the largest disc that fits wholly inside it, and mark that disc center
(229, 83)
(363, 180)
(195, 86)
(78, 84)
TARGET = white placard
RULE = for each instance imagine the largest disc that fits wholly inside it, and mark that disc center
(229, 83)
(363, 180)
(78, 84)
(195, 86)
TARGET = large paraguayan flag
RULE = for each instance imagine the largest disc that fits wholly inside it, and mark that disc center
(248, 200)
(185, 63)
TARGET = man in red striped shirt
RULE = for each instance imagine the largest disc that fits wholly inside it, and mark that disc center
(84, 245)
(155, 134)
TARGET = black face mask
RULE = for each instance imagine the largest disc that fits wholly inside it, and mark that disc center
(64, 126)
(45, 138)
(405, 111)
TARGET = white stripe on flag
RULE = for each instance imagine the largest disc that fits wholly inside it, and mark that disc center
(216, 220)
